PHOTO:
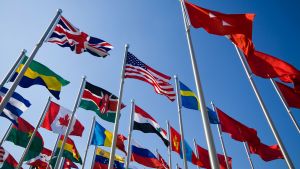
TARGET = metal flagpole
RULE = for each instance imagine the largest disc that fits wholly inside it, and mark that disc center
(203, 111)
(70, 122)
(248, 154)
(33, 134)
(170, 145)
(53, 151)
(29, 60)
(6, 134)
(196, 150)
(265, 111)
(221, 137)
(116, 127)
(13, 68)
(130, 133)
(285, 104)
(180, 122)
(89, 141)
(177, 166)
(62, 163)
(94, 156)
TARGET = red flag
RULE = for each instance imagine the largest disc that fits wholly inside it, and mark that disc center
(41, 161)
(267, 153)
(291, 97)
(164, 165)
(237, 130)
(120, 143)
(242, 42)
(218, 23)
(68, 164)
(204, 159)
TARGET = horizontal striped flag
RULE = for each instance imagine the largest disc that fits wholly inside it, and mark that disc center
(15, 106)
(7, 161)
(136, 69)
(102, 160)
(70, 150)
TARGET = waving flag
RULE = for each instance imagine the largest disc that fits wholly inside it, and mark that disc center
(136, 69)
(147, 124)
(57, 120)
(102, 160)
(66, 35)
(70, 150)
(291, 97)
(7, 161)
(41, 161)
(68, 164)
(163, 162)
(15, 106)
(267, 153)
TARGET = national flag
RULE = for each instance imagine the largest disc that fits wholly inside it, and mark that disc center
(68, 164)
(66, 35)
(243, 42)
(41, 161)
(21, 135)
(176, 145)
(218, 23)
(291, 97)
(101, 101)
(163, 162)
(103, 137)
(144, 156)
(70, 150)
(14, 107)
(136, 69)
(267, 153)
(57, 120)
(237, 130)
(39, 74)
(102, 160)
(204, 159)
(147, 124)
(7, 161)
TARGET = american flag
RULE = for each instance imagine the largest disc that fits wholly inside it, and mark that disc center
(66, 35)
(136, 69)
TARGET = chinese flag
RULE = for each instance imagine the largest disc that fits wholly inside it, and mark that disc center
(267, 153)
(218, 23)
(291, 97)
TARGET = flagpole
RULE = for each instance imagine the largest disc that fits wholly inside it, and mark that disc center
(70, 122)
(13, 68)
(180, 122)
(265, 111)
(6, 134)
(116, 126)
(27, 63)
(89, 141)
(221, 137)
(53, 151)
(177, 166)
(170, 144)
(62, 163)
(94, 157)
(33, 134)
(203, 111)
(285, 104)
(130, 133)
(248, 154)
(196, 150)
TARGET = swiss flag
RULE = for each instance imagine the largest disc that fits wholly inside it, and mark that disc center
(57, 120)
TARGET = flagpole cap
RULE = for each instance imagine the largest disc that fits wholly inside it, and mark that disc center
(175, 77)
(126, 45)
(24, 50)
(59, 11)
(84, 77)
(132, 100)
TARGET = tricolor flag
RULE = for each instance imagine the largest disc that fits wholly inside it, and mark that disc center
(66, 35)
(101, 101)
(14, 107)
(147, 124)
(6, 160)
(41, 161)
(102, 160)
(70, 150)
(136, 69)
(57, 120)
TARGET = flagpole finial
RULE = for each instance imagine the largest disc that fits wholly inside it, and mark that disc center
(126, 45)
(84, 77)
(175, 76)
(59, 11)
(132, 100)
(24, 51)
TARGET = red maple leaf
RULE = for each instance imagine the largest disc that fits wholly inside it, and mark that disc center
(64, 121)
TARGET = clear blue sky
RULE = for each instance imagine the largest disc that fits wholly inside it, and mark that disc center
(155, 31)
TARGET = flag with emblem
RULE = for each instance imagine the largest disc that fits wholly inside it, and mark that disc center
(41, 161)
(163, 162)
(68, 164)
(21, 135)
(101, 101)
(66, 35)
(136, 69)
(7, 161)
(57, 119)
(102, 160)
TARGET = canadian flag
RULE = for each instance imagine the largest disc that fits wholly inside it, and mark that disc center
(57, 120)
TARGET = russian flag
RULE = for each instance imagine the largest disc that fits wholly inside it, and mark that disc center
(144, 156)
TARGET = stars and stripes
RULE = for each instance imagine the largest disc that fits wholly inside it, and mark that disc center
(136, 69)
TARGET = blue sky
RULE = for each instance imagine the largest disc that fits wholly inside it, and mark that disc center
(155, 31)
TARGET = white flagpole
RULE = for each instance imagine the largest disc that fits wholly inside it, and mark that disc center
(89, 141)
(203, 111)
(265, 111)
(13, 68)
(130, 133)
(116, 126)
(6, 134)
(170, 145)
(221, 137)
(177, 166)
(29, 60)
(180, 122)
(53, 151)
(94, 157)
(248, 154)
(70, 122)
(196, 150)
(285, 105)
(33, 134)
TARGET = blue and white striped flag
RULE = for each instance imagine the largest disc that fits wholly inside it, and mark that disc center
(15, 106)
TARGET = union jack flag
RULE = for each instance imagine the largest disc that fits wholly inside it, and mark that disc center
(66, 35)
